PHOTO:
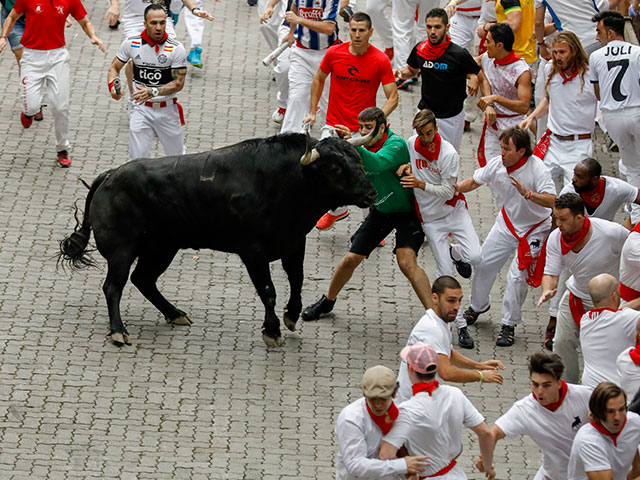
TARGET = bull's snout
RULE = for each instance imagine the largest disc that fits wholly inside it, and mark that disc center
(368, 198)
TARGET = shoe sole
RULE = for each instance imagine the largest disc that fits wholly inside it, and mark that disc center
(334, 222)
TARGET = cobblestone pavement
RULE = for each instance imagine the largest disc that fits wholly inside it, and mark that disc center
(207, 401)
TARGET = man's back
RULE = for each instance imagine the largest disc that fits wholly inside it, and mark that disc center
(615, 69)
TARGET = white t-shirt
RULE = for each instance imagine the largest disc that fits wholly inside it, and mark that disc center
(553, 432)
(437, 172)
(616, 68)
(604, 333)
(628, 373)
(616, 194)
(535, 176)
(432, 425)
(592, 451)
(630, 262)
(601, 254)
(359, 447)
(432, 330)
(572, 105)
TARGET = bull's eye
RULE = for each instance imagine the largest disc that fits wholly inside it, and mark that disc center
(335, 170)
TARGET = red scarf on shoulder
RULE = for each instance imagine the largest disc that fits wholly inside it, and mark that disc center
(385, 422)
(634, 353)
(568, 242)
(428, 51)
(593, 198)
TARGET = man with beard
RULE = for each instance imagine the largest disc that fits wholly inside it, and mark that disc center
(435, 328)
(444, 68)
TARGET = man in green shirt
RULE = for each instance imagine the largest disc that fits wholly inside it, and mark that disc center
(394, 209)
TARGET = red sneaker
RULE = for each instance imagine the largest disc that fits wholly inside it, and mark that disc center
(38, 117)
(63, 159)
(327, 220)
(389, 53)
(26, 120)
(382, 243)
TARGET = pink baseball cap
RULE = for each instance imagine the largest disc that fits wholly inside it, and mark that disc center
(421, 357)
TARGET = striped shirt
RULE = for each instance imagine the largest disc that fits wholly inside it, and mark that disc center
(319, 10)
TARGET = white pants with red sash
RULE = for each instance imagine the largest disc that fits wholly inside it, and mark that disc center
(562, 156)
(496, 250)
(147, 122)
(567, 337)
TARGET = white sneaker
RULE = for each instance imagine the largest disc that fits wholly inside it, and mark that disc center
(278, 115)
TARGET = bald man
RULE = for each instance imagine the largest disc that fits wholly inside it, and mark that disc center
(605, 331)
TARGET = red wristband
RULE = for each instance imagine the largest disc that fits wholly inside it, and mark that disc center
(110, 85)
(530, 193)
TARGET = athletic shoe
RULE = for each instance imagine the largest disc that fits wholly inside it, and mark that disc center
(278, 115)
(403, 84)
(252, 3)
(26, 120)
(63, 159)
(38, 117)
(321, 307)
(194, 57)
(115, 25)
(327, 220)
(382, 243)
(467, 126)
(463, 268)
(612, 147)
(465, 340)
(471, 316)
(389, 53)
(505, 338)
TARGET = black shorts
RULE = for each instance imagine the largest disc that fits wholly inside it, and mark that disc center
(377, 226)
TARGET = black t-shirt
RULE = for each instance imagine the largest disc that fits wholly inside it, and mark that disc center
(444, 80)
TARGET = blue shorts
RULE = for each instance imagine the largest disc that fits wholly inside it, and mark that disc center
(16, 34)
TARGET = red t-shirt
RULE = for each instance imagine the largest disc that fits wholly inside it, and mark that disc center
(45, 21)
(354, 82)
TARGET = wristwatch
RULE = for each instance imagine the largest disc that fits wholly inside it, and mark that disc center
(154, 92)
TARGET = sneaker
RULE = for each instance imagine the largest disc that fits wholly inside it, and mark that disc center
(403, 84)
(278, 115)
(313, 311)
(465, 340)
(115, 25)
(194, 57)
(252, 3)
(505, 338)
(612, 147)
(471, 316)
(467, 126)
(327, 220)
(382, 243)
(463, 268)
(26, 120)
(38, 117)
(63, 159)
(389, 53)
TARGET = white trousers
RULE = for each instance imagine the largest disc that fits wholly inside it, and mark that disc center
(567, 339)
(452, 128)
(147, 122)
(539, 94)
(496, 249)
(563, 155)
(195, 26)
(403, 22)
(624, 127)
(381, 23)
(462, 30)
(304, 64)
(269, 29)
(50, 68)
(281, 71)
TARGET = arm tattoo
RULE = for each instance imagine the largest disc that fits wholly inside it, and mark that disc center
(176, 85)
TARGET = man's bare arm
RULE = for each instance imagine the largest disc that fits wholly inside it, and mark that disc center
(391, 92)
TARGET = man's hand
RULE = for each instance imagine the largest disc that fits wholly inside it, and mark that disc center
(486, 101)
(415, 464)
(490, 115)
(292, 18)
(495, 364)
(409, 181)
(343, 132)
(544, 51)
(473, 85)
(522, 190)
(3, 43)
(310, 119)
(404, 170)
(142, 95)
(113, 14)
(202, 14)
(491, 376)
(547, 295)
(114, 95)
(266, 15)
(527, 122)
(98, 43)
(451, 9)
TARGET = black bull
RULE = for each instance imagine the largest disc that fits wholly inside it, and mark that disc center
(258, 199)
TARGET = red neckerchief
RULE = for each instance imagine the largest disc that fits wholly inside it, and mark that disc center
(613, 436)
(511, 58)
(378, 145)
(432, 151)
(424, 387)
(634, 353)
(146, 39)
(566, 79)
(543, 145)
(518, 164)
(429, 51)
(593, 198)
(385, 422)
(600, 310)
(555, 406)
(567, 242)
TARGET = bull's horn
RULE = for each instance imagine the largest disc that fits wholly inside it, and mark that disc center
(309, 157)
(358, 142)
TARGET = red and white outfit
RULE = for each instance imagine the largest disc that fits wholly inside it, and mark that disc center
(408, 26)
(628, 365)
(604, 334)
(551, 427)
(615, 69)
(274, 30)
(503, 78)
(570, 123)
(529, 221)
(601, 254)
(440, 211)
(595, 449)
(359, 437)
(132, 18)
(430, 423)
(45, 60)
(630, 266)
(381, 23)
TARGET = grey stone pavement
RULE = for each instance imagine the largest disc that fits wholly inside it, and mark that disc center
(206, 401)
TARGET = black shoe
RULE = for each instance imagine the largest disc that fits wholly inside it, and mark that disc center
(463, 268)
(505, 339)
(465, 340)
(470, 315)
(313, 311)
(252, 3)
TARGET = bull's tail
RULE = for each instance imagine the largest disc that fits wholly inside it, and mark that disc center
(73, 249)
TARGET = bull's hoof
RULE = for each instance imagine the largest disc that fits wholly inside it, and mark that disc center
(289, 322)
(181, 320)
(120, 339)
(271, 342)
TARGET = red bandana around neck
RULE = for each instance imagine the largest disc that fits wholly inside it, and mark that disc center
(517, 165)
(379, 144)
(385, 422)
(566, 79)
(151, 43)
(634, 353)
(568, 242)
(424, 387)
(430, 152)
(613, 436)
(428, 51)
(563, 393)
(511, 58)
(593, 198)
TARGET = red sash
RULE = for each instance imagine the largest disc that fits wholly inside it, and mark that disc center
(428, 387)
(563, 393)
(439, 473)
(568, 242)
(482, 47)
(634, 353)
(429, 51)
(180, 111)
(385, 422)
(577, 308)
(543, 145)
(593, 198)
(628, 293)
(482, 159)
(613, 436)
(525, 259)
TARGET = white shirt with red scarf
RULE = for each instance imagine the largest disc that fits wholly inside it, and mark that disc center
(552, 430)
(594, 451)
(628, 365)
(630, 266)
(614, 193)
